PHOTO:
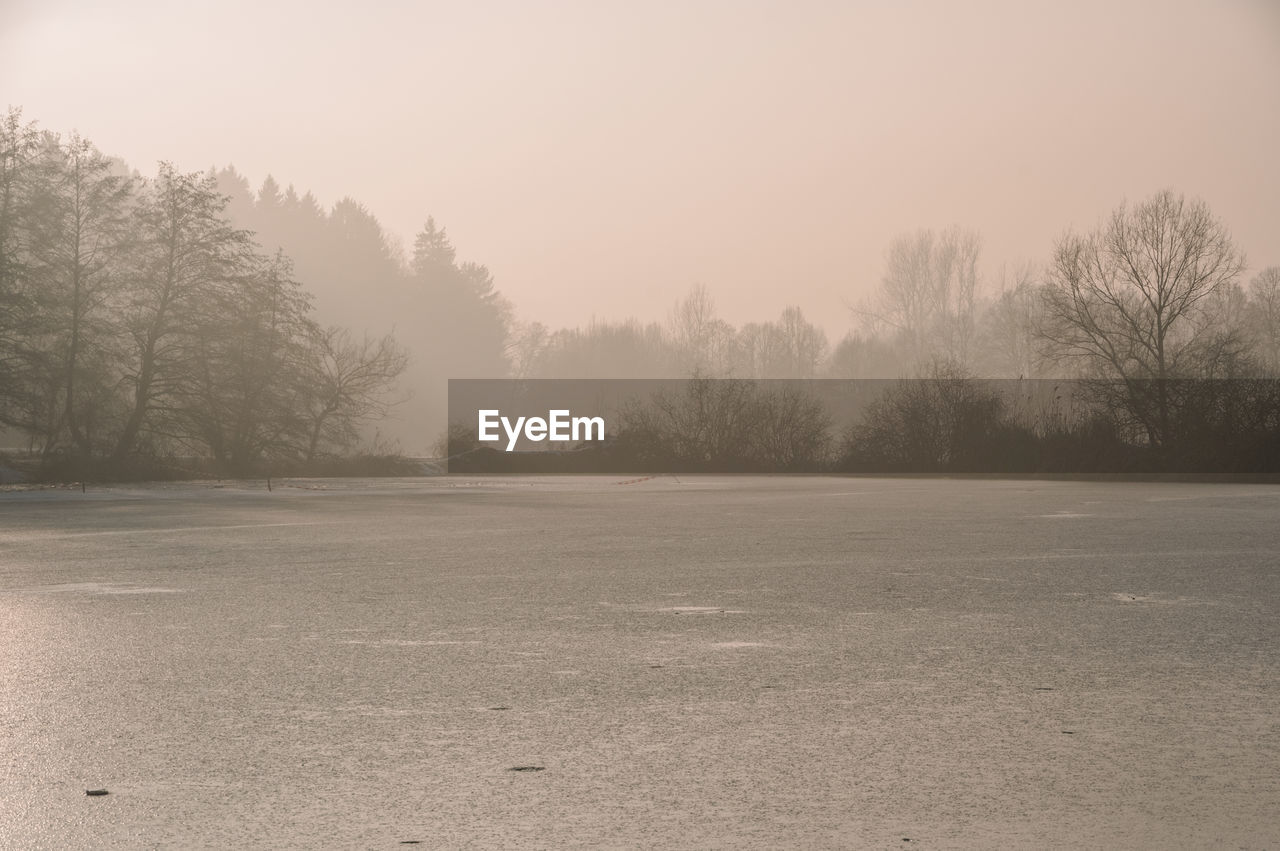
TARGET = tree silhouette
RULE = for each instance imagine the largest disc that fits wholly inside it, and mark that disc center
(77, 234)
(1134, 300)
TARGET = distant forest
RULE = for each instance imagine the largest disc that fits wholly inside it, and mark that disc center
(187, 315)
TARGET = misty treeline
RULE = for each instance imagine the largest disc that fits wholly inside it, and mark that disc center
(188, 314)
(445, 311)
(138, 322)
(1157, 291)
(1156, 294)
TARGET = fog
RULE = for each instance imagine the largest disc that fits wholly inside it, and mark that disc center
(582, 189)
(601, 158)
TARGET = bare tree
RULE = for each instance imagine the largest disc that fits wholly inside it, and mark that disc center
(1264, 317)
(730, 424)
(761, 351)
(791, 347)
(703, 343)
(793, 432)
(19, 145)
(1133, 300)
(805, 343)
(928, 294)
(241, 390)
(607, 350)
(1010, 348)
(707, 422)
(187, 256)
(77, 232)
(351, 382)
(860, 355)
(945, 421)
(526, 345)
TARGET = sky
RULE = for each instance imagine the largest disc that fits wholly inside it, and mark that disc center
(603, 157)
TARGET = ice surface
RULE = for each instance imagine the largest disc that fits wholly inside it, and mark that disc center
(713, 662)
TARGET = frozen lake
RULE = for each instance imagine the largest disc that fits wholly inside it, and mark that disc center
(708, 662)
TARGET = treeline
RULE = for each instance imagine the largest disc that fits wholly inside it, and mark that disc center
(138, 323)
(1157, 291)
(459, 325)
(1186, 311)
(1149, 311)
(692, 341)
(188, 314)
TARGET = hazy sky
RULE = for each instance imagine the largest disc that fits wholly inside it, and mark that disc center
(601, 157)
